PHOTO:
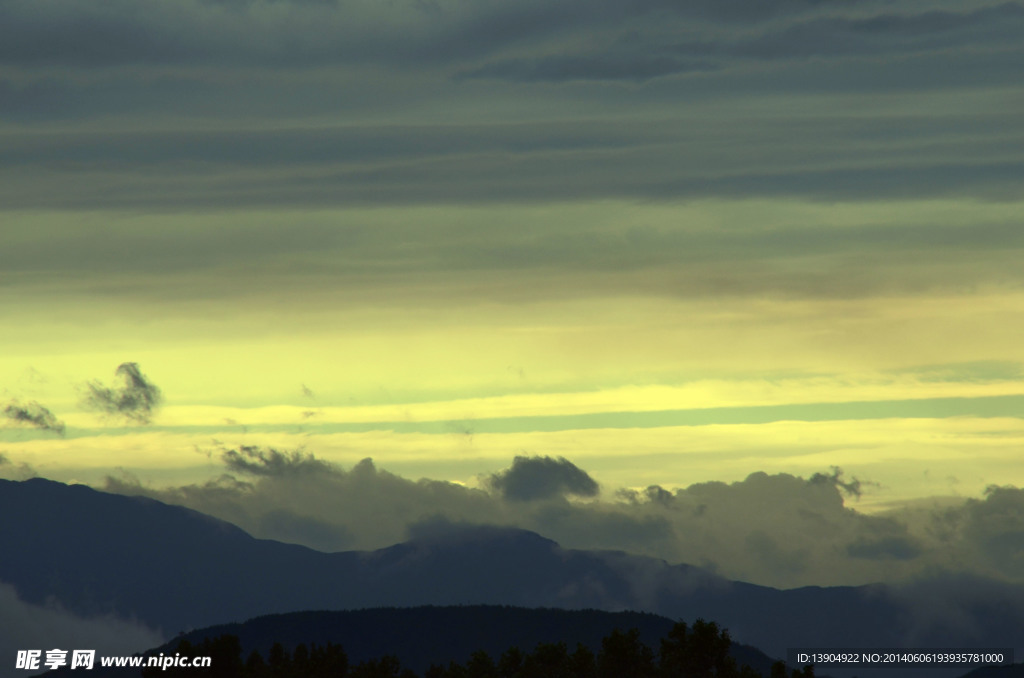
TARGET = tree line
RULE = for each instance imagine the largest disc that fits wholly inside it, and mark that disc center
(697, 651)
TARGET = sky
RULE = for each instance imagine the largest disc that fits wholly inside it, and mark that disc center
(744, 254)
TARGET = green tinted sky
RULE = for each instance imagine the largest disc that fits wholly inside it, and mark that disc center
(673, 242)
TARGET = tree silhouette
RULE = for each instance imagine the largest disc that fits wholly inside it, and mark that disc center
(583, 662)
(511, 663)
(698, 652)
(480, 665)
(622, 655)
(548, 660)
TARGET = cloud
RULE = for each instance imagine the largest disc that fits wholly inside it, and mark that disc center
(995, 526)
(712, 72)
(258, 461)
(411, 33)
(978, 371)
(946, 607)
(606, 526)
(532, 478)
(35, 415)
(135, 400)
(331, 508)
(636, 68)
(25, 626)
(10, 470)
(835, 479)
(773, 529)
(645, 50)
(897, 548)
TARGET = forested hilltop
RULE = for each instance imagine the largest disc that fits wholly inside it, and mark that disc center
(697, 651)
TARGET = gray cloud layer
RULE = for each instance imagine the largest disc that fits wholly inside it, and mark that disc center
(480, 100)
(779, 530)
(303, 34)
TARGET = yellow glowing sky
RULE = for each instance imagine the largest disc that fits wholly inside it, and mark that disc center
(639, 365)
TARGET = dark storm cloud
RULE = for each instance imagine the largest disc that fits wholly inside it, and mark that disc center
(532, 478)
(135, 400)
(35, 415)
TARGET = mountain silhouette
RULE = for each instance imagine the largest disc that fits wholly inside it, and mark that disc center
(176, 569)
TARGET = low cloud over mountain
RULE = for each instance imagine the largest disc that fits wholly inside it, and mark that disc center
(25, 626)
(778, 530)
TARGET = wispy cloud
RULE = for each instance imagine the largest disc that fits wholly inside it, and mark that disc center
(135, 400)
(257, 461)
(15, 470)
(35, 415)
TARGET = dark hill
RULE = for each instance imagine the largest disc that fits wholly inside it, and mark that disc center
(428, 635)
(424, 635)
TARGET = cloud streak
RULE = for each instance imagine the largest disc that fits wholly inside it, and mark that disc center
(35, 415)
(653, 65)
